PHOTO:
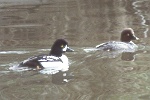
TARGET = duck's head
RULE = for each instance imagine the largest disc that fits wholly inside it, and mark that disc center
(128, 35)
(60, 46)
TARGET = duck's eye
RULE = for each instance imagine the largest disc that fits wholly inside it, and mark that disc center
(128, 34)
(62, 46)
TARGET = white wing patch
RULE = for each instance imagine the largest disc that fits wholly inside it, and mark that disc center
(50, 59)
(55, 63)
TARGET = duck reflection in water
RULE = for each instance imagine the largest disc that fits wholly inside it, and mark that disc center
(61, 78)
(128, 56)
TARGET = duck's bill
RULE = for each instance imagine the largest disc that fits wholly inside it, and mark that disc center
(135, 38)
(69, 50)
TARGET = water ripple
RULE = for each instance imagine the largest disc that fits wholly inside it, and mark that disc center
(14, 52)
(136, 5)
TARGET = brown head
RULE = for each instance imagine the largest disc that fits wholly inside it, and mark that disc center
(127, 35)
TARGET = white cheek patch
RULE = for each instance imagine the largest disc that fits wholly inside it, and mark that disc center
(65, 48)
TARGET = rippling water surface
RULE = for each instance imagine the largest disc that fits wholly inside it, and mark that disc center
(29, 27)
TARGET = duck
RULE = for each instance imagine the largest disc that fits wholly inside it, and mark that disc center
(55, 60)
(125, 44)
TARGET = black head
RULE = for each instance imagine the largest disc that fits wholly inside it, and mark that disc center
(127, 35)
(60, 46)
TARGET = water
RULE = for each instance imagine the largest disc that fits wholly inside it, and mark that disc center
(29, 28)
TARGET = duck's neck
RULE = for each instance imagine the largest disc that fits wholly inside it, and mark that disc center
(56, 53)
(126, 41)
